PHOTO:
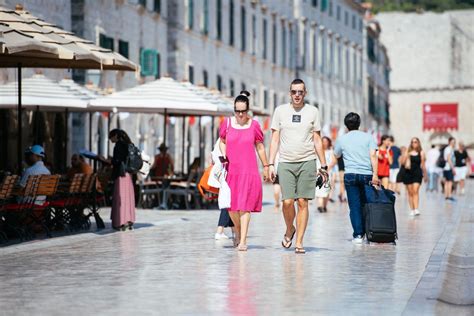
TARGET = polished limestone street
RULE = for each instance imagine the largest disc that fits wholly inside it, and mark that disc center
(170, 264)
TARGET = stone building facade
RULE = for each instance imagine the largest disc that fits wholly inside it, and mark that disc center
(228, 45)
(435, 65)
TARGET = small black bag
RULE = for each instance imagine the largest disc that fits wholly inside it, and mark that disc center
(379, 215)
(134, 161)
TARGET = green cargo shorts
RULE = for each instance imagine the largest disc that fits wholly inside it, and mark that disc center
(297, 179)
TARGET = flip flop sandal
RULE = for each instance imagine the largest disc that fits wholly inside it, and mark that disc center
(242, 248)
(287, 242)
(299, 250)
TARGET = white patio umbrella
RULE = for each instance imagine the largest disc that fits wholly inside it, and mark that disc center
(164, 95)
(39, 92)
(27, 41)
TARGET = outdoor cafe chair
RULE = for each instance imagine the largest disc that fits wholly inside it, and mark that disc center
(41, 214)
(16, 213)
(187, 190)
(149, 193)
(66, 206)
(6, 194)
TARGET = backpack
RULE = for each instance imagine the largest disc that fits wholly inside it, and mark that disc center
(134, 161)
(441, 162)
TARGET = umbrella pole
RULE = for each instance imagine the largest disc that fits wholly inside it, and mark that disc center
(19, 157)
(201, 158)
(164, 126)
(212, 131)
(67, 139)
(108, 131)
(183, 143)
(90, 131)
(36, 131)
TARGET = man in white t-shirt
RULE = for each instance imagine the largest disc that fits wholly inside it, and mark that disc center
(296, 136)
(448, 170)
(432, 157)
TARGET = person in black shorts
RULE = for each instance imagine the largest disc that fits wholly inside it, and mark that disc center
(413, 162)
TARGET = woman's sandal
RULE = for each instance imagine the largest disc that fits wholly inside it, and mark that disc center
(286, 242)
(242, 247)
(300, 250)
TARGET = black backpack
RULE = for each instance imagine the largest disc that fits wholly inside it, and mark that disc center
(441, 162)
(134, 161)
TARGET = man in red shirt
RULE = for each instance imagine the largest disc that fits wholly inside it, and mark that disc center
(163, 164)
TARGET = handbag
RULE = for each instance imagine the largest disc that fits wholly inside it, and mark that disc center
(208, 192)
(209, 184)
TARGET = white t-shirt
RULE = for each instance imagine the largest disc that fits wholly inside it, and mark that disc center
(448, 151)
(296, 127)
(431, 158)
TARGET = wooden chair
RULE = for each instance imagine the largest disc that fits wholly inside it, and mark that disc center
(16, 214)
(65, 207)
(40, 214)
(6, 194)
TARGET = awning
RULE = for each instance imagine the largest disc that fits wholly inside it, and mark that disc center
(39, 91)
(33, 42)
(165, 94)
(440, 116)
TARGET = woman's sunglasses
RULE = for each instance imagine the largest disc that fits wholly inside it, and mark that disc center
(240, 111)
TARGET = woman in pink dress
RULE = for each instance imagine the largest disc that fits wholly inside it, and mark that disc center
(241, 141)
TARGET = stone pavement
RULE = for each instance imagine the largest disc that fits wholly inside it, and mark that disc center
(171, 265)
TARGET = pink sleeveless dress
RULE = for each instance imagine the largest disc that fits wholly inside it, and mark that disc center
(243, 177)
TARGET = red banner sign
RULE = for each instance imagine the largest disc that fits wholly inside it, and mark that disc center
(440, 116)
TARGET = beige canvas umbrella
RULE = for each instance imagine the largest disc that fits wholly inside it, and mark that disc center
(27, 41)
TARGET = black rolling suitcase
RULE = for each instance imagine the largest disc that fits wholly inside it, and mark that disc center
(379, 215)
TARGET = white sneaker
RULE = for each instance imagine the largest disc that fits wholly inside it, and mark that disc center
(412, 213)
(218, 236)
(358, 240)
(417, 212)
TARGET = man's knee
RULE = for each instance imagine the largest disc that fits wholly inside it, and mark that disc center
(302, 203)
(288, 203)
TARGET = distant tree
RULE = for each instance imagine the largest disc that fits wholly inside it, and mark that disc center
(421, 5)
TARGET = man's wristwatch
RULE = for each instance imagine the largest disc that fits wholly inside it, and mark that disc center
(324, 168)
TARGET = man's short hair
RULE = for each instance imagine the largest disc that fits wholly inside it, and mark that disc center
(352, 121)
(450, 139)
(391, 138)
(297, 81)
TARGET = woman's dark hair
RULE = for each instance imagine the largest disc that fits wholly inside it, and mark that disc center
(243, 97)
(383, 138)
(352, 121)
(329, 140)
(121, 135)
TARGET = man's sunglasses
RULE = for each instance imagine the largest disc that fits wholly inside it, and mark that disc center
(240, 111)
(297, 92)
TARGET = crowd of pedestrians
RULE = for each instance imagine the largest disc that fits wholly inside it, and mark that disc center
(303, 165)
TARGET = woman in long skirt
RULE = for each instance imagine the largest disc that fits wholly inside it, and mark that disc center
(123, 200)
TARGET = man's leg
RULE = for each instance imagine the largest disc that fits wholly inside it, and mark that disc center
(301, 221)
(355, 204)
(289, 215)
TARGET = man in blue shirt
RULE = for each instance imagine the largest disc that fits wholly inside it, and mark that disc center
(359, 152)
(395, 166)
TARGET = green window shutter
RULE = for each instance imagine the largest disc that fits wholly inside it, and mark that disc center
(324, 5)
(149, 62)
